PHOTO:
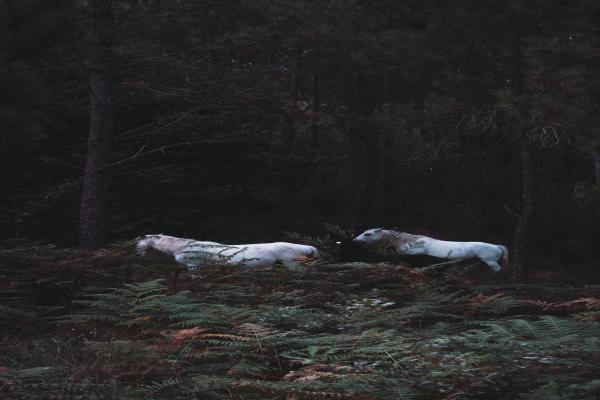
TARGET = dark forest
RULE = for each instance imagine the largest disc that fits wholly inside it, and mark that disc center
(309, 122)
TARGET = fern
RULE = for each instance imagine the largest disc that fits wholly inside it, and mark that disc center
(350, 330)
(132, 351)
(547, 333)
(148, 305)
(553, 390)
(49, 382)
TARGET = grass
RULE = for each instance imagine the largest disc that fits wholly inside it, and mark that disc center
(109, 325)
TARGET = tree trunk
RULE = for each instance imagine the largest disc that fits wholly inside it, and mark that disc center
(596, 160)
(367, 135)
(93, 213)
(390, 155)
(290, 112)
(372, 178)
(390, 179)
(521, 234)
(520, 247)
(314, 142)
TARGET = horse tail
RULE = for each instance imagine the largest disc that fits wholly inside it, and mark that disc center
(314, 252)
(504, 257)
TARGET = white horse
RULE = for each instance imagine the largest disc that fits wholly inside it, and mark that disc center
(388, 241)
(165, 244)
(193, 253)
(252, 255)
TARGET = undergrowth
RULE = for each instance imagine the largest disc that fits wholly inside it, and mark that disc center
(106, 325)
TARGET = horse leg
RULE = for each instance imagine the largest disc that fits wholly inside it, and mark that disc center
(503, 260)
(493, 265)
(302, 259)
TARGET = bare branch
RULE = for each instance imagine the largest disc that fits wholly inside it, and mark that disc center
(124, 17)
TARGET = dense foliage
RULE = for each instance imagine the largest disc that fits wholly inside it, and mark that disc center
(71, 329)
(237, 120)
(240, 121)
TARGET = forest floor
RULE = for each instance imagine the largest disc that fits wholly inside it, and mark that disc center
(110, 325)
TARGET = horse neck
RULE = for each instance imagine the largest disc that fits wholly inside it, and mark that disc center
(383, 245)
(409, 237)
(402, 241)
(169, 244)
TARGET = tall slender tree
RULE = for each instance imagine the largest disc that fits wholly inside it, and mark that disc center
(93, 213)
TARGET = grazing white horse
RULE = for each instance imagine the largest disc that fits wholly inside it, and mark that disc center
(193, 253)
(387, 241)
(252, 255)
(164, 243)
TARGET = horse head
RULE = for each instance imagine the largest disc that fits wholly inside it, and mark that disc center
(142, 243)
(370, 236)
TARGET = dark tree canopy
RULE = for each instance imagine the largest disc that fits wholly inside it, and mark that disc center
(308, 121)
(234, 120)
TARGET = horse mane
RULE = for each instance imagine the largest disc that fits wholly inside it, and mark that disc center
(394, 239)
(403, 237)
